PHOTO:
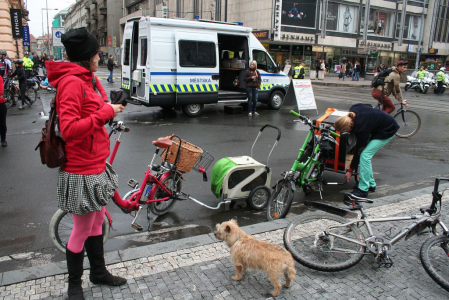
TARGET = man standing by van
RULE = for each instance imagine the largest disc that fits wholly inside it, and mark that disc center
(253, 80)
(300, 71)
(111, 69)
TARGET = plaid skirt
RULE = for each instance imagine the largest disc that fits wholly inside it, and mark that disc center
(81, 194)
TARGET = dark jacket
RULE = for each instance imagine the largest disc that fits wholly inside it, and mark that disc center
(110, 64)
(82, 115)
(21, 75)
(370, 124)
(250, 82)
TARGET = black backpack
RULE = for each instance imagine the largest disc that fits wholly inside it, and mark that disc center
(379, 79)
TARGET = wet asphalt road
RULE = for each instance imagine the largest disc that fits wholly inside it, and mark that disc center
(28, 189)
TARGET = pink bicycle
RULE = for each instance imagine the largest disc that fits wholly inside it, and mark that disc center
(159, 189)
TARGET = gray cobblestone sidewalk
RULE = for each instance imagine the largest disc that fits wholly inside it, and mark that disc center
(204, 271)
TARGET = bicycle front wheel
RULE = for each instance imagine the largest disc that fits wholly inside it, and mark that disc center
(61, 226)
(32, 94)
(434, 256)
(280, 201)
(314, 244)
(171, 183)
(409, 123)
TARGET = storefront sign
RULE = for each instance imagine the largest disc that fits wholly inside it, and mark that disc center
(433, 51)
(308, 50)
(332, 16)
(298, 50)
(109, 41)
(262, 34)
(279, 48)
(16, 23)
(298, 13)
(26, 36)
(410, 48)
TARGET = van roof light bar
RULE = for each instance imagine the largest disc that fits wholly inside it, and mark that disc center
(219, 22)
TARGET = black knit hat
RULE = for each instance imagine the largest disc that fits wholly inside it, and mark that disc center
(80, 44)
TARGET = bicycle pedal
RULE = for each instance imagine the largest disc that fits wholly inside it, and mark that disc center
(137, 227)
(133, 183)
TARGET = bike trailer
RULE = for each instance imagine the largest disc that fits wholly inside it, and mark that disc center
(243, 177)
(341, 157)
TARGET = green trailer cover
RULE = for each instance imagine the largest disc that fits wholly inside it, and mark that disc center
(219, 172)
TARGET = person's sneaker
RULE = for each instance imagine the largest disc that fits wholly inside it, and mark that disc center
(358, 193)
(371, 189)
(4, 143)
(111, 81)
(21, 107)
(250, 115)
(107, 79)
(255, 113)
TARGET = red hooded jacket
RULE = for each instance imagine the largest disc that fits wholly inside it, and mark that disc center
(82, 115)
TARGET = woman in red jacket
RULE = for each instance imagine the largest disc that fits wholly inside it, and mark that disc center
(86, 182)
(3, 111)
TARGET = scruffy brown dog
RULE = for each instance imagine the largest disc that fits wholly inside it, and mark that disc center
(247, 252)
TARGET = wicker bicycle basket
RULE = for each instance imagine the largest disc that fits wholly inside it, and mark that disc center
(188, 157)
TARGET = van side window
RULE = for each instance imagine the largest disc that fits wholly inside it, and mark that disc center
(127, 47)
(197, 54)
(143, 51)
(264, 62)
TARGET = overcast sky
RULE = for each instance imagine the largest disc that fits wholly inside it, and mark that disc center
(36, 13)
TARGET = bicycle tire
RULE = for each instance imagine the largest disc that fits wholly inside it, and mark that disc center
(162, 207)
(280, 201)
(301, 241)
(61, 225)
(9, 99)
(32, 94)
(411, 125)
(435, 260)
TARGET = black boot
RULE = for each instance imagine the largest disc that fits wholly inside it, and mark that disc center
(98, 272)
(75, 268)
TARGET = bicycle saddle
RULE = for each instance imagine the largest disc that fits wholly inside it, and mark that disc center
(163, 142)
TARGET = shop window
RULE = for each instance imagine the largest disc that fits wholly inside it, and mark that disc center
(379, 23)
(264, 61)
(411, 27)
(197, 54)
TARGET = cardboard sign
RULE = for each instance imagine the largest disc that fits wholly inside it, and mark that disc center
(300, 94)
(287, 69)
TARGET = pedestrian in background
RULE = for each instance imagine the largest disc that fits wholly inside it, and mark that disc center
(253, 79)
(27, 64)
(22, 78)
(86, 182)
(111, 69)
(343, 71)
(3, 111)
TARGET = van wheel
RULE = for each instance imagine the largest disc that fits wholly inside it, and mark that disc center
(193, 110)
(276, 100)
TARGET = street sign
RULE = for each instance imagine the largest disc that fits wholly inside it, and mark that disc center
(16, 23)
(26, 35)
(114, 41)
(362, 50)
(57, 33)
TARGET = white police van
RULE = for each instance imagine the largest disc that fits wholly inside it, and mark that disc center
(186, 64)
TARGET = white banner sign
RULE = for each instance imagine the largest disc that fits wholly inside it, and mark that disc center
(304, 94)
(57, 33)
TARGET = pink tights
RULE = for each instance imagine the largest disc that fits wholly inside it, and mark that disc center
(83, 227)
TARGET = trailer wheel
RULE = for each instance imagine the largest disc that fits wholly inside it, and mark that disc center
(276, 100)
(258, 198)
(193, 110)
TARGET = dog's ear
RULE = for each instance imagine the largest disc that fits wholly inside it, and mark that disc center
(228, 229)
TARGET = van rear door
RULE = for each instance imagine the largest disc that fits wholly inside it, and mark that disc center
(197, 74)
(129, 55)
(141, 74)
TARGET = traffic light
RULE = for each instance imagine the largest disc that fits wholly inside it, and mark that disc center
(164, 11)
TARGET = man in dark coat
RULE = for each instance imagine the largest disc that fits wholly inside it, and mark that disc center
(111, 68)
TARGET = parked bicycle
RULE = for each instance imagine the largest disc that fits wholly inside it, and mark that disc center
(306, 172)
(159, 189)
(409, 121)
(325, 241)
(12, 92)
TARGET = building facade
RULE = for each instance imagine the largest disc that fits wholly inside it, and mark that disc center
(13, 46)
(296, 30)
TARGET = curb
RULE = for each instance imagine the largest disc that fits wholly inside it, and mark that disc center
(114, 257)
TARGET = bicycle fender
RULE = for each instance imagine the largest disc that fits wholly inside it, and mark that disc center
(335, 210)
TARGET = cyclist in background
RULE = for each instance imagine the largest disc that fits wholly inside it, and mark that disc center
(392, 81)
(28, 65)
(421, 74)
(21, 77)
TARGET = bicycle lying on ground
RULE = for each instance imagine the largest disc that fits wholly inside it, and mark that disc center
(306, 172)
(328, 242)
(159, 189)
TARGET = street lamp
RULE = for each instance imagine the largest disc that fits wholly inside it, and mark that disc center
(48, 29)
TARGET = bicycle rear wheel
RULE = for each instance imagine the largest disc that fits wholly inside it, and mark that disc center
(409, 123)
(10, 99)
(32, 94)
(309, 241)
(172, 183)
(61, 226)
(280, 201)
(434, 256)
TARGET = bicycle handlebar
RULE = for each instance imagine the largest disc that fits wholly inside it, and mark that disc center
(307, 121)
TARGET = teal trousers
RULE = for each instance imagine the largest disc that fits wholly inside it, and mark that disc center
(365, 167)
